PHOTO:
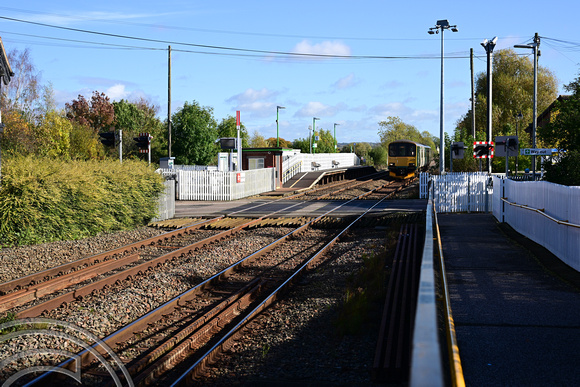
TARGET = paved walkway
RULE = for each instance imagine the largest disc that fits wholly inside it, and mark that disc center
(516, 309)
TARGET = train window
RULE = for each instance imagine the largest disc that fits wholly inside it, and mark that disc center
(402, 150)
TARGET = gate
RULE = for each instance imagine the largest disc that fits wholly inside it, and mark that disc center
(460, 192)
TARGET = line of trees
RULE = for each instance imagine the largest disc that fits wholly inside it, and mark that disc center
(34, 125)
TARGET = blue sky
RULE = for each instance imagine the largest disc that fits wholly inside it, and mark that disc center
(387, 64)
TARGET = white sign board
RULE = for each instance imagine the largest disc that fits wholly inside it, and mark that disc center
(538, 151)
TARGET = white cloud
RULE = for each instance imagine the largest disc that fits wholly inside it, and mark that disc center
(347, 82)
(395, 109)
(117, 92)
(66, 18)
(318, 109)
(324, 48)
(252, 95)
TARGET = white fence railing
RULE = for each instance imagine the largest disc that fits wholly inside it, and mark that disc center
(459, 192)
(196, 167)
(547, 213)
(327, 160)
(217, 185)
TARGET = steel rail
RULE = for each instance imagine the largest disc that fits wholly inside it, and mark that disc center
(41, 276)
(37, 291)
(182, 299)
(329, 186)
(541, 212)
(231, 335)
(58, 270)
(42, 289)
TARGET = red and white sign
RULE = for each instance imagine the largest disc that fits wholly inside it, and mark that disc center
(238, 118)
(477, 149)
(240, 177)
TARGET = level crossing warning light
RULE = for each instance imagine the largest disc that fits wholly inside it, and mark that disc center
(143, 142)
(107, 138)
(483, 149)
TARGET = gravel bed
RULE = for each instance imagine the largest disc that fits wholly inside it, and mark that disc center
(104, 312)
(300, 344)
(20, 261)
(297, 343)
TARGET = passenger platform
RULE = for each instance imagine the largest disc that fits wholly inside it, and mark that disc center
(307, 180)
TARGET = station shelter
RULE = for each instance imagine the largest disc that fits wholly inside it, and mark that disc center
(272, 157)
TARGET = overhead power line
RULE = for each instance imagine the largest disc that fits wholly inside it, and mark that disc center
(225, 48)
(217, 31)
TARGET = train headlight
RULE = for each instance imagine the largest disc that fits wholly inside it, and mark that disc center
(411, 164)
(391, 164)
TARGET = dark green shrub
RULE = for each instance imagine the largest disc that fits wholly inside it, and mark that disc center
(44, 199)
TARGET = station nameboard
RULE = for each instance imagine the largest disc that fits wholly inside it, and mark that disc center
(538, 151)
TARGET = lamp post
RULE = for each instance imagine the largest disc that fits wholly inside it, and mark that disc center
(441, 25)
(278, 125)
(314, 132)
(489, 46)
(535, 47)
(335, 147)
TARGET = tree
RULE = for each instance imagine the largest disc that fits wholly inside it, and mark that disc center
(194, 134)
(153, 125)
(513, 83)
(85, 143)
(273, 142)
(22, 93)
(98, 114)
(140, 117)
(563, 132)
(53, 135)
(303, 144)
(18, 136)
(379, 156)
(257, 140)
(363, 150)
(228, 128)
(325, 143)
(395, 129)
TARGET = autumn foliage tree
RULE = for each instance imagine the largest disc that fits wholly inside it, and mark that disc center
(98, 113)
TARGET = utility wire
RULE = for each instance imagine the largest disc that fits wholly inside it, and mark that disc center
(234, 49)
(290, 36)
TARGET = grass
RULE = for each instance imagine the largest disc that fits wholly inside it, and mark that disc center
(366, 289)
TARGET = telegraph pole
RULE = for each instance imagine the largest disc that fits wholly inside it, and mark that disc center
(169, 103)
(535, 47)
(472, 97)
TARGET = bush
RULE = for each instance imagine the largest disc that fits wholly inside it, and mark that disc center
(43, 200)
(565, 172)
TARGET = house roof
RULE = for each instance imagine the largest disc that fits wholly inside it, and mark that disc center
(5, 71)
(544, 117)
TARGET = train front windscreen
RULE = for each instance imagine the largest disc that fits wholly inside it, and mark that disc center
(401, 150)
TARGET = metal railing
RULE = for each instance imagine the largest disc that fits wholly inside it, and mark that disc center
(459, 192)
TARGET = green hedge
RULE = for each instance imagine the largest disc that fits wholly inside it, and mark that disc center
(43, 200)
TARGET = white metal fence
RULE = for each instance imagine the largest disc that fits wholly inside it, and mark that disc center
(459, 192)
(547, 213)
(327, 160)
(217, 185)
(166, 201)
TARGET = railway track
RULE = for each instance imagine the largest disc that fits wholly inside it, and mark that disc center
(162, 250)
